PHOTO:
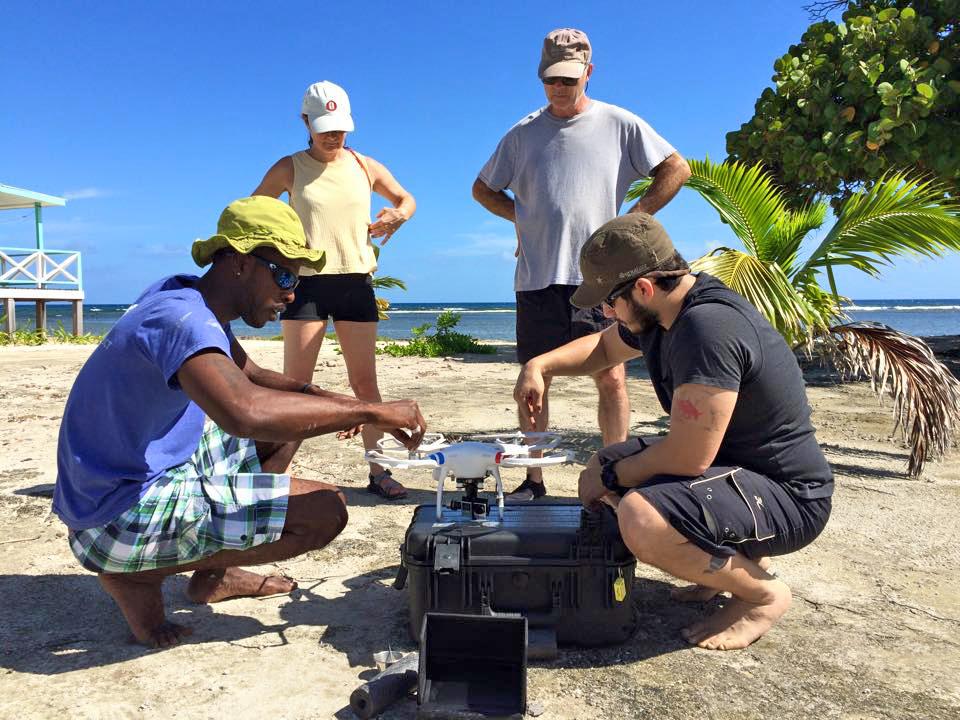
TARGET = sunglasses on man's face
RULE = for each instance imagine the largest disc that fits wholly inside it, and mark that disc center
(618, 291)
(569, 82)
(284, 278)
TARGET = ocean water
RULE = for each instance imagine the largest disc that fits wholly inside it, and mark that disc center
(496, 321)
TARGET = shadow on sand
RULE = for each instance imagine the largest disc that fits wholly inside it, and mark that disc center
(81, 628)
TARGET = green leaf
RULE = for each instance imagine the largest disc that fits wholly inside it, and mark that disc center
(901, 215)
(765, 286)
(926, 90)
(908, 14)
(744, 196)
(887, 15)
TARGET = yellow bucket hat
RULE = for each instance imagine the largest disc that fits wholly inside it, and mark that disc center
(258, 221)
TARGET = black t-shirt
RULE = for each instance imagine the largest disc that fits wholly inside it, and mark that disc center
(720, 340)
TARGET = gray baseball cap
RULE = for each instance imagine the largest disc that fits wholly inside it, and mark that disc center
(627, 247)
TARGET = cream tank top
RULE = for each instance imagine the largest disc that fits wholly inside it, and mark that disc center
(333, 202)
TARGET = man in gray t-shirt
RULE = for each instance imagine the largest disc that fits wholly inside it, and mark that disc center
(569, 166)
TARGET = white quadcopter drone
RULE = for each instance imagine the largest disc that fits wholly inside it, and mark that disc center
(469, 462)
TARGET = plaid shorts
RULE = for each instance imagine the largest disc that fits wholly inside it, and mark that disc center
(218, 500)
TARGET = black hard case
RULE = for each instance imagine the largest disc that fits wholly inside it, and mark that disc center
(554, 563)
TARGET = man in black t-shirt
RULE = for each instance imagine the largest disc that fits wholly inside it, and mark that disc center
(739, 477)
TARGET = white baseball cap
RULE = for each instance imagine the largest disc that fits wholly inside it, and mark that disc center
(327, 108)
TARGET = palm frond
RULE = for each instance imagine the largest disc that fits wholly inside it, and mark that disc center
(789, 231)
(745, 197)
(926, 395)
(385, 281)
(900, 215)
(766, 287)
(639, 188)
(382, 307)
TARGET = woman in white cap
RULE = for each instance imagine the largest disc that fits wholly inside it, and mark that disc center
(329, 187)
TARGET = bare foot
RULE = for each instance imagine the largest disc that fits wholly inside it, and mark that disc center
(210, 586)
(693, 593)
(739, 623)
(141, 602)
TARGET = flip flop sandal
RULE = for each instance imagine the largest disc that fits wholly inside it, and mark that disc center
(383, 484)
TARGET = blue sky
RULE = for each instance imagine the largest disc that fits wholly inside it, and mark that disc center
(150, 118)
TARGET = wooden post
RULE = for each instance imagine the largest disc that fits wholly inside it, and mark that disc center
(42, 316)
(77, 317)
(10, 308)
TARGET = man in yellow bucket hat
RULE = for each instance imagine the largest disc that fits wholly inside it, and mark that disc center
(174, 444)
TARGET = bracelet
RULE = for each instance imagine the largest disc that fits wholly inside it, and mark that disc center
(307, 387)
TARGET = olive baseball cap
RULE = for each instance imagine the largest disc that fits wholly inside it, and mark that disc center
(566, 53)
(627, 247)
(259, 221)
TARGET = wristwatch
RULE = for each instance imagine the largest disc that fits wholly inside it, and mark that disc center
(608, 476)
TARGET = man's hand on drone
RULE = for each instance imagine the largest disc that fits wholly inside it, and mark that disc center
(402, 419)
(528, 393)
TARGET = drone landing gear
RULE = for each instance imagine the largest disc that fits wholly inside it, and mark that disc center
(471, 503)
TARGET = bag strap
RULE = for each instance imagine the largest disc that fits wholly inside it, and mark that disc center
(362, 166)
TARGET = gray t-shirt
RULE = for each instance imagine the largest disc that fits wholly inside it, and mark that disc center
(568, 177)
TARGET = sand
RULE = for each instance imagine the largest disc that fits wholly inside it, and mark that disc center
(874, 631)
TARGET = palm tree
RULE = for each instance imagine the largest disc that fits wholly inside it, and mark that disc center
(900, 215)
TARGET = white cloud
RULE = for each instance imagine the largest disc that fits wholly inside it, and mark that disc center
(482, 245)
(165, 250)
(77, 226)
(85, 193)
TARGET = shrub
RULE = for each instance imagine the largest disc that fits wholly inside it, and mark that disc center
(39, 337)
(444, 341)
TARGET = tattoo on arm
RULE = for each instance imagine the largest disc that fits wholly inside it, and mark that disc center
(689, 411)
(695, 408)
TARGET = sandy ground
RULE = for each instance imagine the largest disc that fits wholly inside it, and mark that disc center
(874, 631)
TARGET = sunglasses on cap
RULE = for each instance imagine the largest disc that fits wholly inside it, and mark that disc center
(620, 290)
(568, 82)
(284, 278)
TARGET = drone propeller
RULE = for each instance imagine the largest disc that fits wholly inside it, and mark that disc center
(514, 444)
(430, 443)
(401, 463)
(524, 461)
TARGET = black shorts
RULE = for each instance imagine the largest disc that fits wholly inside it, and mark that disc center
(730, 509)
(344, 297)
(546, 320)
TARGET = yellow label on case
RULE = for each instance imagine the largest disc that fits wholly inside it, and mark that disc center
(619, 588)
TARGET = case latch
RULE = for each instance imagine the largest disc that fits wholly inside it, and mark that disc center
(446, 557)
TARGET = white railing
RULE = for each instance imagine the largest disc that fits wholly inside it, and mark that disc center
(22, 267)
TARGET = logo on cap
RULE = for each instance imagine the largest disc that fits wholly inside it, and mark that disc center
(331, 105)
